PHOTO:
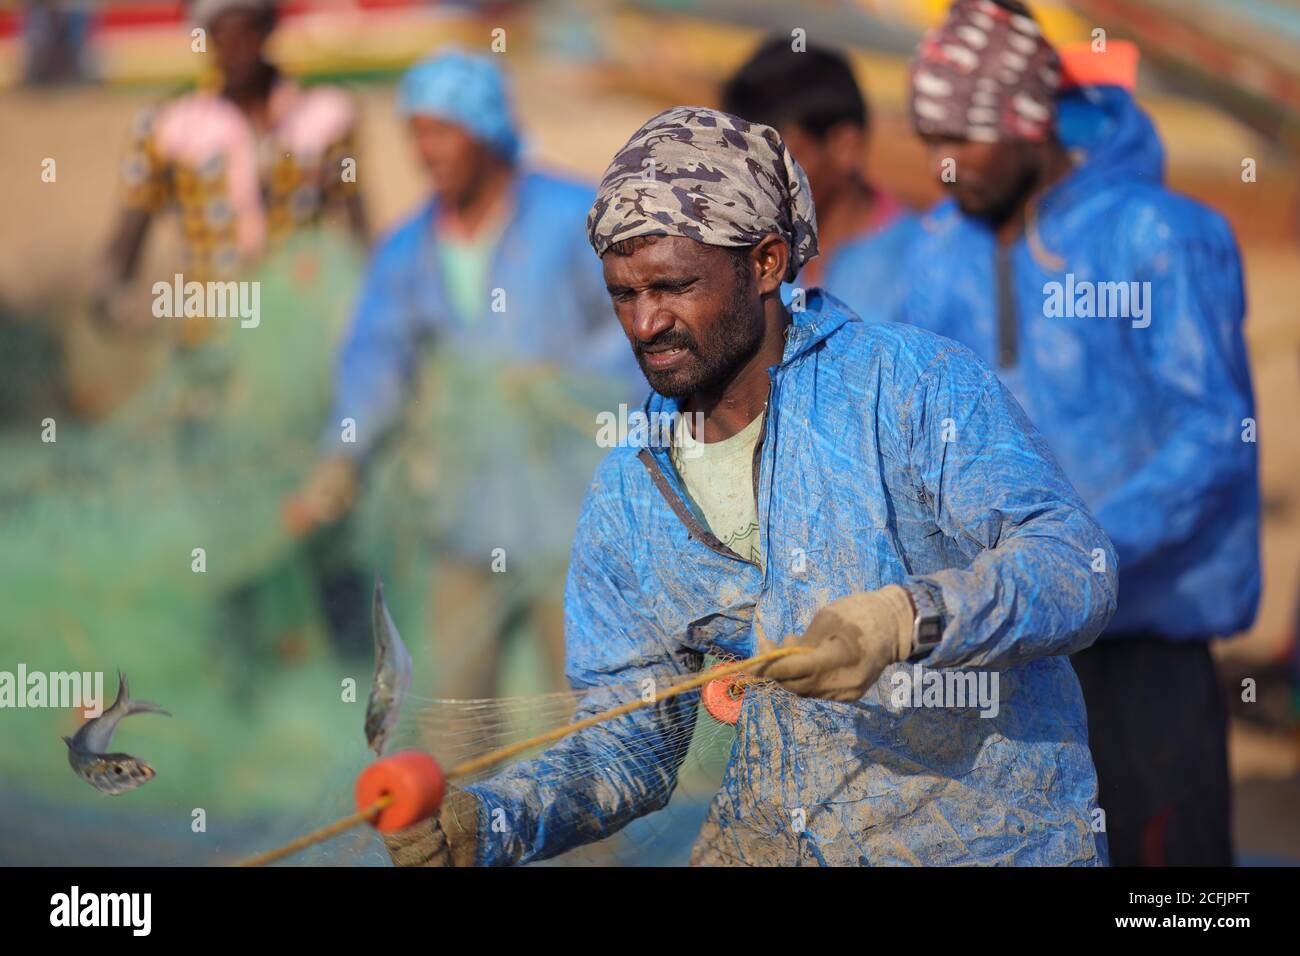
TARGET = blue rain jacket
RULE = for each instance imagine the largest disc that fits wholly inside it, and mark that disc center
(556, 314)
(889, 455)
(1147, 413)
(863, 274)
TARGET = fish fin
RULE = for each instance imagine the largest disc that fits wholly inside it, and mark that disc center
(123, 695)
(378, 608)
(145, 707)
(68, 741)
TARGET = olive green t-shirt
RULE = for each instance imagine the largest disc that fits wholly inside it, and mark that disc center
(719, 480)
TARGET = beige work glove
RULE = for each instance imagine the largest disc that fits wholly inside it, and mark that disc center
(325, 497)
(854, 640)
(448, 839)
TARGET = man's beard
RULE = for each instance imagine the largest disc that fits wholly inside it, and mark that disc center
(736, 339)
(998, 209)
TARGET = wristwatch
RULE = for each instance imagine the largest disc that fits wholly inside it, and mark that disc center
(930, 620)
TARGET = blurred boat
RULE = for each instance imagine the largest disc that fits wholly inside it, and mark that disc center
(1242, 54)
(135, 42)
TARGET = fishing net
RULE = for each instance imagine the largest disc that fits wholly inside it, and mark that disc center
(679, 762)
(97, 561)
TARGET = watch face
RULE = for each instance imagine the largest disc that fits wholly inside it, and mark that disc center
(929, 631)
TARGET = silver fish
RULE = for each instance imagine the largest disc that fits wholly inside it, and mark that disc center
(392, 675)
(107, 772)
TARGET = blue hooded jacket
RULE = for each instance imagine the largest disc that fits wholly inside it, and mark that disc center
(863, 273)
(1126, 350)
(889, 455)
(554, 312)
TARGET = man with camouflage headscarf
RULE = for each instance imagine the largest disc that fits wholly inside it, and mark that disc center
(869, 492)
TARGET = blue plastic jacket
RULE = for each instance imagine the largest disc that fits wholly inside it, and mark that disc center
(556, 313)
(863, 273)
(1146, 411)
(889, 455)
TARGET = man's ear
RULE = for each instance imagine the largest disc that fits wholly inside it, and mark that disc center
(771, 255)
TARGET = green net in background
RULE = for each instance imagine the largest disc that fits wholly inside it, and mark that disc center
(97, 553)
(97, 549)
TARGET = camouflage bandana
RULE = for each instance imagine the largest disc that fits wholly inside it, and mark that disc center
(709, 176)
(985, 74)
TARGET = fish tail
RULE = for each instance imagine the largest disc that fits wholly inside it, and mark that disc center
(124, 706)
(145, 707)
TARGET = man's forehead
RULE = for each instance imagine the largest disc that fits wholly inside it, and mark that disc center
(237, 19)
(659, 254)
(435, 124)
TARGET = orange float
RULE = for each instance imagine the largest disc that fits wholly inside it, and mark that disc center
(411, 779)
(723, 697)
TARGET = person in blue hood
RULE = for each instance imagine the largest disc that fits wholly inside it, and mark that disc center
(811, 97)
(493, 274)
(868, 496)
(1112, 308)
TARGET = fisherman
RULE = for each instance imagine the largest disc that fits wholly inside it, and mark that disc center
(248, 166)
(494, 272)
(888, 505)
(812, 99)
(245, 165)
(1112, 308)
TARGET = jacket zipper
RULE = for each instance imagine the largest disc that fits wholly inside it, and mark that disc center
(1008, 344)
(757, 473)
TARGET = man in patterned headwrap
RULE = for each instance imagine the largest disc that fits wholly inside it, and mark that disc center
(1112, 308)
(867, 492)
(983, 94)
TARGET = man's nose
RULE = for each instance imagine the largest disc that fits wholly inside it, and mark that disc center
(650, 319)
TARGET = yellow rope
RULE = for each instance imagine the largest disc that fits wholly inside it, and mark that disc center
(505, 753)
(319, 836)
